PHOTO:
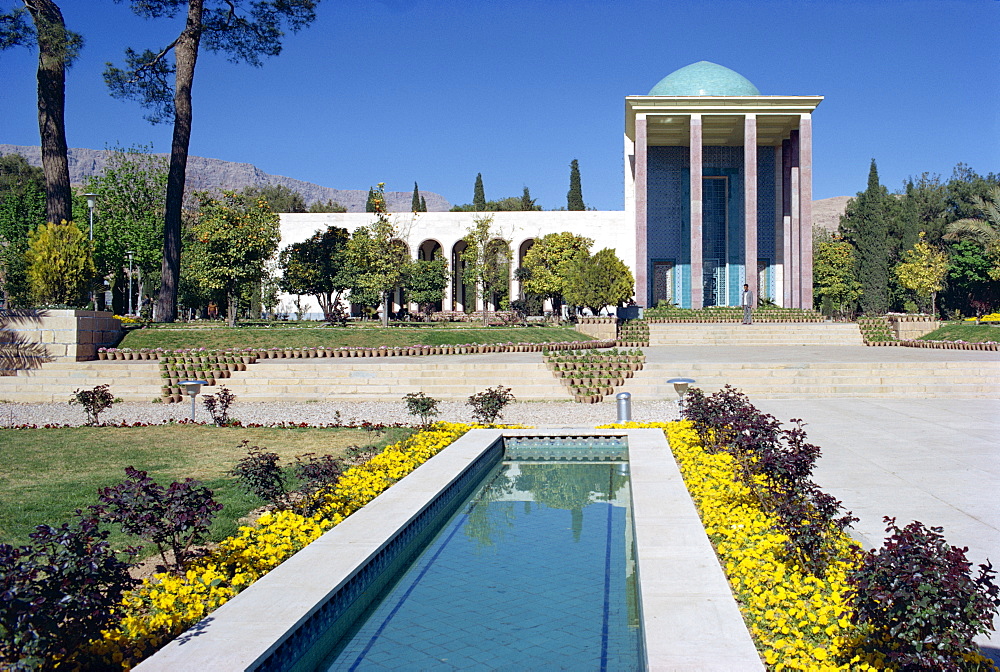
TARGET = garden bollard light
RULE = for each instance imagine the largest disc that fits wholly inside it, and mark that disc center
(192, 387)
(624, 406)
(681, 387)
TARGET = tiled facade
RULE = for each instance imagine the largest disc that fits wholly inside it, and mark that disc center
(668, 217)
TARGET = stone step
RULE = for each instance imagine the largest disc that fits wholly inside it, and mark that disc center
(760, 334)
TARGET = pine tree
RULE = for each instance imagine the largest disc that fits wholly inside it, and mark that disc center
(415, 203)
(423, 204)
(527, 202)
(478, 194)
(370, 203)
(866, 226)
(574, 199)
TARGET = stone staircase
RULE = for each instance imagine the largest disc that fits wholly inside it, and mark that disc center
(811, 380)
(445, 377)
(56, 381)
(762, 333)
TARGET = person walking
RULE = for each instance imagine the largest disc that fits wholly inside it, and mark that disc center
(747, 303)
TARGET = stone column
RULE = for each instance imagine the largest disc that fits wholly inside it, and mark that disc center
(641, 256)
(796, 271)
(750, 202)
(697, 281)
(805, 210)
(779, 228)
(788, 261)
(449, 298)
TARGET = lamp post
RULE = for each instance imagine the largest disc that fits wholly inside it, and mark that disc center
(129, 254)
(91, 202)
(192, 387)
(681, 388)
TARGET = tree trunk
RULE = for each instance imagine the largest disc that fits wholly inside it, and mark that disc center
(232, 305)
(385, 309)
(52, 57)
(185, 57)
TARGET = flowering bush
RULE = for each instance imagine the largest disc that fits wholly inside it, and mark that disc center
(799, 619)
(166, 604)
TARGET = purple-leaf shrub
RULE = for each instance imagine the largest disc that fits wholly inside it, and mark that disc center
(921, 599)
(173, 518)
(260, 474)
(57, 593)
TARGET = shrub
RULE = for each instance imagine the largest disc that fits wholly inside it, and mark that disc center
(919, 598)
(315, 474)
(487, 406)
(60, 265)
(94, 402)
(174, 518)
(259, 474)
(417, 403)
(57, 593)
(218, 404)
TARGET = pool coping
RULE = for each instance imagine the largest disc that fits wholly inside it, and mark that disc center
(690, 619)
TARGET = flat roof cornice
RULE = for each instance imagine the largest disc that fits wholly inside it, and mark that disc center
(684, 106)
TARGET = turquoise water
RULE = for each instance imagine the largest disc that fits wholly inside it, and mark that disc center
(534, 573)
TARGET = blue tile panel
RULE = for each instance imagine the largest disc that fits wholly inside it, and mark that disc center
(668, 218)
(531, 576)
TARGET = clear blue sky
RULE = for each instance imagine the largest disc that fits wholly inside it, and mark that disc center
(439, 90)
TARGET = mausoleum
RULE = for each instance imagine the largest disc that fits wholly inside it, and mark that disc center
(687, 241)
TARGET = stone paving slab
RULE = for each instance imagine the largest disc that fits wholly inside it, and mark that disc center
(936, 461)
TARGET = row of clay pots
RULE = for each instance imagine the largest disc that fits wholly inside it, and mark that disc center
(731, 320)
(944, 345)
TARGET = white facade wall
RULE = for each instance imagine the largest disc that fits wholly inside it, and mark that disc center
(606, 228)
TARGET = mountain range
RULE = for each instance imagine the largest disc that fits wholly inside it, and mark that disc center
(205, 174)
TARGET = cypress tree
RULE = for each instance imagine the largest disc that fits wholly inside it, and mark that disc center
(868, 228)
(415, 203)
(478, 194)
(574, 199)
(370, 203)
(527, 202)
(423, 204)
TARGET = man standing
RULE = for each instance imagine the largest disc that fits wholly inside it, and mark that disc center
(747, 303)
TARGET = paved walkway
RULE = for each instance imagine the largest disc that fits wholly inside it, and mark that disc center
(936, 461)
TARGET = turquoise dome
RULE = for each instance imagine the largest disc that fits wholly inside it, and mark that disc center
(704, 79)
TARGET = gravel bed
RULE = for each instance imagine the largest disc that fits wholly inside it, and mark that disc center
(538, 414)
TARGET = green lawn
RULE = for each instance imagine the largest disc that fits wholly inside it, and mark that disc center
(968, 332)
(308, 334)
(46, 474)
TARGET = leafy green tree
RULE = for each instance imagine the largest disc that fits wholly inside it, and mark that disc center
(318, 266)
(60, 266)
(415, 203)
(427, 282)
(574, 199)
(57, 49)
(527, 202)
(22, 208)
(327, 206)
(131, 193)
(379, 261)
(923, 271)
(962, 190)
(599, 281)
(970, 290)
(278, 196)
(865, 224)
(834, 277)
(245, 31)
(984, 229)
(479, 194)
(235, 238)
(549, 263)
(487, 262)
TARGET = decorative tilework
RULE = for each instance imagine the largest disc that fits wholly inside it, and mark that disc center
(668, 220)
(766, 215)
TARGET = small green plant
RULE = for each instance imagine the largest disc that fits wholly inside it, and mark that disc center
(487, 406)
(921, 601)
(259, 474)
(419, 404)
(58, 592)
(218, 405)
(94, 402)
(173, 518)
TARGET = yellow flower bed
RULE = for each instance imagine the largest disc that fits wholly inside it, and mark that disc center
(798, 621)
(992, 317)
(167, 604)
